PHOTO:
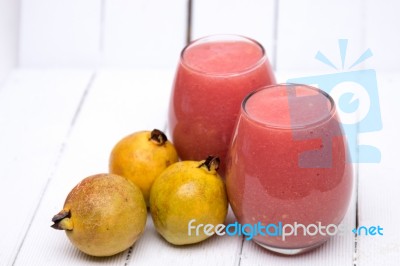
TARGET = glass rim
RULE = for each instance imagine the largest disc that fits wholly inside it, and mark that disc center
(324, 119)
(226, 37)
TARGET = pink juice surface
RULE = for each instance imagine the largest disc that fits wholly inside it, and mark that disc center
(211, 81)
(289, 163)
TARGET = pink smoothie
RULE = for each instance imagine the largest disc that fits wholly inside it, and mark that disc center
(289, 163)
(212, 79)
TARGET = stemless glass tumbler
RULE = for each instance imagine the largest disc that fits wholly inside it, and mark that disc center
(288, 168)
(214, 74)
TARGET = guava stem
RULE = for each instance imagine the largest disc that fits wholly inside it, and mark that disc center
(158, 137)
(62, 220)
(212, 163)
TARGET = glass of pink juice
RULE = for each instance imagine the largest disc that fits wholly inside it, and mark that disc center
(214, 74)
(288, 168)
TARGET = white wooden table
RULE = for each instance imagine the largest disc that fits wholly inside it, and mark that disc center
(91, 72)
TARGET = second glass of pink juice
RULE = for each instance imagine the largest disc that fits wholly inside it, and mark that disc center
(288, 168)
(213, 76)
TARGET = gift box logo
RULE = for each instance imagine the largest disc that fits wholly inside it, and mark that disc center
(357, 102)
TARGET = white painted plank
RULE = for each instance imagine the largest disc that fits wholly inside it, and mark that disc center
(143, 33)
(9, 17)
(59, 33)
(382, 36)
(379, 183)
(305, 27)
(36, 111)
(254, 19)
